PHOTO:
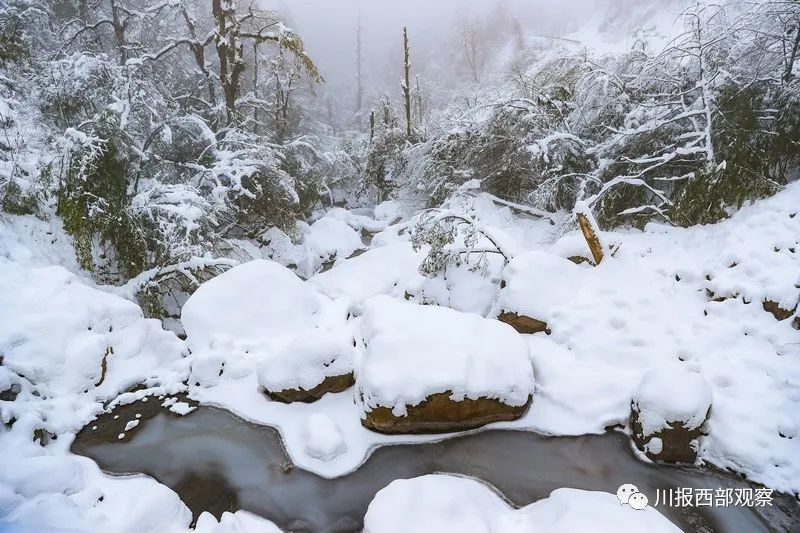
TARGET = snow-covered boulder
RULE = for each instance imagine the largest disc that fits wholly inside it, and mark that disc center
(250, 303)
(435, 503)
(323, 437)
(392, 269)
(313, 364)
(430, 369)
(534, 284)
(668, 412)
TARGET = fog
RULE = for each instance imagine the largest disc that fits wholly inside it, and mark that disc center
(329, 30)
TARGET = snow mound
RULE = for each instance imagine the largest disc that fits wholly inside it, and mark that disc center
(537, 284)
(390, 269)
(249, 303)
(435, 503)
(672, 394)
(324, 439)
(413, 351)
(307, 360)
(330, 237)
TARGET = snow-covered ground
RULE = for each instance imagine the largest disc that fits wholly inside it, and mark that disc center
(667, 296)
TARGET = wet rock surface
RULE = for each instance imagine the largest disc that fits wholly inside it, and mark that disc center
(217, 462)
(440, 414)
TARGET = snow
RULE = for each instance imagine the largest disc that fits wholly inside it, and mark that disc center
(324, 438)
(646, 324)
(415, 351)
(391, 269)
(307, 360)
(247, 304)
(536, 285)
(434, 503)
(672, 394)
(54, 332)
(331, 238)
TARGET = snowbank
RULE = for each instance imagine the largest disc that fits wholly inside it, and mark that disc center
(415, 351)
(435, 503)
(64, 337)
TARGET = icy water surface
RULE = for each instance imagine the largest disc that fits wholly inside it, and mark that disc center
(217, 462)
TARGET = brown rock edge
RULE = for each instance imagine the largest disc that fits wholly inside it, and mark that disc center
(777, 311)
(522, 323)
(439, 414)
(329, 384)
(675, 440)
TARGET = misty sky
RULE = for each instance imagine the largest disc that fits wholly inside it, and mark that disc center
(328, 27)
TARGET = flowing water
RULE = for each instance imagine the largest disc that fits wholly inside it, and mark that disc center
(218, 462)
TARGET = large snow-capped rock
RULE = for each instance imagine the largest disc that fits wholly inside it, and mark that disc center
(250, 303)
(311, 365)
(433, 369)
(668, 411)
(534, 286)
(436, 503)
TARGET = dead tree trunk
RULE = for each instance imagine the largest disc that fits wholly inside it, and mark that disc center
(590, 233)
(359, 62)
(407, 81)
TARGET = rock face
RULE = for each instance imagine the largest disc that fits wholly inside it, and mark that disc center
(522, 323)
(430, 369)
(329, 384)
(438, 413)
(668, 415)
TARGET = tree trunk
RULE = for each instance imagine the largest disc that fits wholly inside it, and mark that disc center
(359, 61)
(407, 81)
(592, 239)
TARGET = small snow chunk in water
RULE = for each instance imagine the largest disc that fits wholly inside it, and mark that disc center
(121, 436)
(181, 408)
(130, 425)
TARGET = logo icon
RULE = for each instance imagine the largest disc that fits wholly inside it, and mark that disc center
(629, 494)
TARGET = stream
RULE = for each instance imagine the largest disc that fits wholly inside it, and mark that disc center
(218, 462)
